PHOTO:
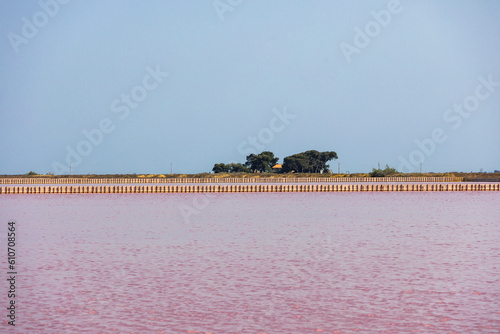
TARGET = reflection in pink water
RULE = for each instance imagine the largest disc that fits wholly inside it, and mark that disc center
(257, 263)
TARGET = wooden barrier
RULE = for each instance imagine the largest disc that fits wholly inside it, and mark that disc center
(247, 188)
(25, 180)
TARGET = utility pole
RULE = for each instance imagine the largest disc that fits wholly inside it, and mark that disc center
(170, 168)
(70, 168)
(339, 169)
(379, 165)
(420, 168)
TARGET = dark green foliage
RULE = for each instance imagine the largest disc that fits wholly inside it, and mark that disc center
(262, 162)
(230, 168)
(220, 168)
(308, 162)
(32, 173)
(383, 172)
(237, 168)
(377, 173)
(305, 162)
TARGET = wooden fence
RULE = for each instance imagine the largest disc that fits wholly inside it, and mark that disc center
(225, 180)
(245, 188)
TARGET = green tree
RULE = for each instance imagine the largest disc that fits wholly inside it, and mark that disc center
(262, 162)
(230, 168)
(220, 168)
(377, 172)
(237, 168)
(308, 162)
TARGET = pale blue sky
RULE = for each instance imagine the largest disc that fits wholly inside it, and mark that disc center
(231, 72)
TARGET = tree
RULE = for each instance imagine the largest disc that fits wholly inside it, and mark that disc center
(262, 162)
(230, 168)
(383, 172)
(237, 168)
(220, 168)
(308, 162)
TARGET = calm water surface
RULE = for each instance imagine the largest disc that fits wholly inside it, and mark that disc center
(256, 263)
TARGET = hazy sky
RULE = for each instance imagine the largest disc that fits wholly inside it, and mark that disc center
(133, 86)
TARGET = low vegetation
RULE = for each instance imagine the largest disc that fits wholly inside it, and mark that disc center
(301, 165)
(472, 177)
(388, 171)
(230, 168)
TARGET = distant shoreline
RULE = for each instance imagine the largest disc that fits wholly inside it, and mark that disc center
(219, 177)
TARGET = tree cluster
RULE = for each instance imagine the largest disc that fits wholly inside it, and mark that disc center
(308, 162)
(305, 162)
(230, 168)
(262, 162)
(377, 172)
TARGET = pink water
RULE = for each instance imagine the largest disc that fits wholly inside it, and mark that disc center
(256, 263)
